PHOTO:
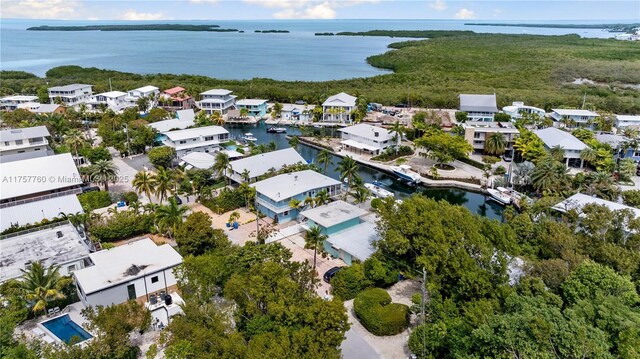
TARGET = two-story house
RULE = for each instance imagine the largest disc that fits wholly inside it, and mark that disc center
(116, 101)
(518, 109)
(24, 143)
(623, 121)
(200, 139)
(255, 107)
(368, 139)
(476, 134)
(572, 146)
(273, 195)
(571, 118)
(217, 100)
(70, 95)
(150, 92)
(479, 107)
(175, 99)
(337, 108)
(10, 103)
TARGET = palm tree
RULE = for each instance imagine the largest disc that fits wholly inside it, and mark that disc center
(222, 164)
(588, 155)
(294, 203)
(314, 239)
(397, 130)
(294, 142)
(557, 152)
(276, 111)
(234, 216)
(322, 198)
(163, 183)
(309, 202)
(217, 119)
(495, 144)
(75, 139)
(41, 285)
(103, 171)
(244, 113)
(348, 168)
(56, 123)
(143, 182)
(360, 194)
(149, 208)
(324, 159)
(550, 176)
(246, 175)
(630, 133)
(169, 217)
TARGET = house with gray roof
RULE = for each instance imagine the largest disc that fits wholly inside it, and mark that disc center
(24, 143)
(71, 95)
(572, 118)
(199, 139)
(363, 138)
(479, 107)
(337, 108)
(572, 146)
(11, 103)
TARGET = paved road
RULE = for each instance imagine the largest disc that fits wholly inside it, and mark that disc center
(355, 347)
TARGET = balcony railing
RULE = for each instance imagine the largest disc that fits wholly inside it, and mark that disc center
(40, 198)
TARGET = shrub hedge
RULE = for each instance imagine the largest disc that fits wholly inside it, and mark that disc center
(349, 281)
(375, 311)
(93, 200)
(121, 225)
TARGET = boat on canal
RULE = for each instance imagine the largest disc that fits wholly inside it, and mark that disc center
(249, 137)
(377, 190)
(276, 130)
(405, 173)
(500, 195)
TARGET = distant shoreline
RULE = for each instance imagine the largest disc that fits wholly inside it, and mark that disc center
(609, 27)
(141, 27)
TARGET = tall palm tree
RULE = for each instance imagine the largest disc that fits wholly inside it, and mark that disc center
(360, 194)
(314, 239)
(40, 285)
(217, 119)
(246, 175)
(550, 176)
(324, 159)
(495, 144)
(163, 183)
(56, 123)
(75, 139)
(588, 155)
(348, 168)
(144, 182)
(557, 152)
(103, 171)
(397, 130)
(309, 202)
(222, 163)
(294, 142)
(294, 203)
(169, 217)
(322, 198)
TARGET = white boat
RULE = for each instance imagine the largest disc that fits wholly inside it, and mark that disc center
(249, 137)
(405, 173)
(378, 191)
(499, 195)
(276, 130)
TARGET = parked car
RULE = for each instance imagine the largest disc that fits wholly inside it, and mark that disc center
(90, 189)
(330, 273)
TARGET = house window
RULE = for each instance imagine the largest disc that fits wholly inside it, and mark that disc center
(71, 268)
(6, 143)
(18, 142)
(183, 142)
(154, 279)
(476, 135)
(286, 213)
(208, 138)
(131, 291)
(37, 149)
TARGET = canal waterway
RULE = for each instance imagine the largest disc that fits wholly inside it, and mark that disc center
(475, 202)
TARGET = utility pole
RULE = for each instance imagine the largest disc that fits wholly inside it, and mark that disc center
(110, 88)
(422, 302)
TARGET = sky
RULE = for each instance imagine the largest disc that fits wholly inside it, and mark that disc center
(628, 10)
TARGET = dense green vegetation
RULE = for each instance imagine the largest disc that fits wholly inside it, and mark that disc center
(273, 31)
(423, 34)
(138, 27)
(610, 27)
(94, 200)
(535, 69)
(376, 312)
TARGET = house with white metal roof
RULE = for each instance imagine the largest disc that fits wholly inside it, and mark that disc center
(57, 244)
(254, 107)
(363, 138)
(41, 108)
(295, 112)
(113, 100)
(349, 235)
(150, 92)
(132, 271)
(70, 95)
(572, 118)
(623, 121)
(337, 108)
(479, 107)
(24, 143)
(11, 103)
(217, 100)
(183, 120)
(199, 139)
(518, 109)
(274, 194)
(579, 200)
(572, 146)
(260, 164)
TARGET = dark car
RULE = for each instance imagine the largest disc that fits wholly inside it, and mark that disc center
(178, 200)
(90, 189)
(330, 273)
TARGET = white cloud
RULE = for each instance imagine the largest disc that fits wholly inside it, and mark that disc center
(40, 9)
(319, 11)
(438, 5)
(134, 15)
(203, 1)
(465, 14)
(306, 9)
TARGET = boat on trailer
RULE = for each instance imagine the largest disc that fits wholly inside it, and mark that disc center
(377, 190)
(405, 173)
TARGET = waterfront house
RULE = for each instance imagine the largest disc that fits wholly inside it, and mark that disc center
(479, 107)
(367, 139)
(579, 200)
(217, 100)
(116, 101)
(260, 164)
(518, 109)
(175, 98)
(571, 118)
(255, 107)
(70, 95)
(133, 271)
(274, 194)
(337, 108)
(10, 103)
(200, 139)
(476, 134)
(54, 244)
(42, 108)
(572, 146)
(621, 145)
(295, 112)
(623, 121)
(49, 188)
(349, 236)
(24, 143)
(184, 119)
(150, 92)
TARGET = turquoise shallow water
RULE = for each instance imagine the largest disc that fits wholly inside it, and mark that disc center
(298, 55)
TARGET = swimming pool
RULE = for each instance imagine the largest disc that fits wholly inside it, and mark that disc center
(64, 328)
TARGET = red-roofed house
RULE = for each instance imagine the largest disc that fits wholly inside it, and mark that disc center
(176, 99)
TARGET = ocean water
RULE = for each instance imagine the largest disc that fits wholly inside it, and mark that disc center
(298, 55)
